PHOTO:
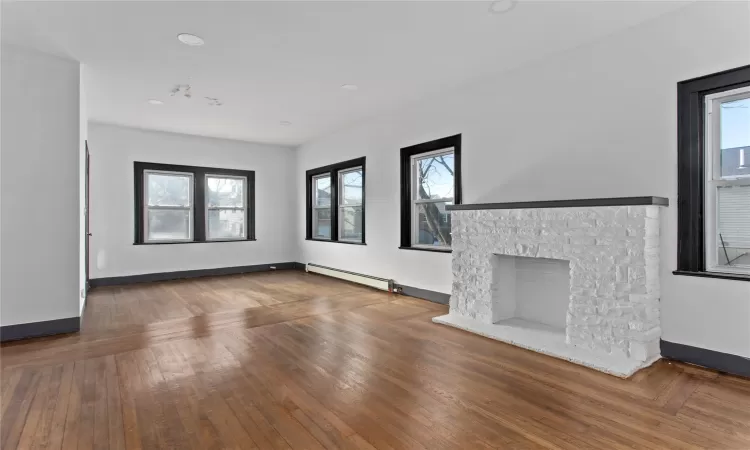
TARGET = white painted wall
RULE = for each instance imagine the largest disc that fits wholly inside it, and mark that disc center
(598, 121)
(39, 202)
(113, 150)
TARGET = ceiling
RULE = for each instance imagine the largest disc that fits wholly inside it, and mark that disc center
(277, 61)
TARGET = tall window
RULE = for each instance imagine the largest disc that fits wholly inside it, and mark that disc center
(169, 206)
(714, 175)
(350, 205)
(322, 207)
(184, 204)
(225, 217)
(727, 195)
(430, 182)
(336, 202)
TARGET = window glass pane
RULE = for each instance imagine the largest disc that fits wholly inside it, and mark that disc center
(351, 187)
(735, 138)
(321, 223)
(168, 189)
(322, 191)
(435, 177)
(168, 224)
(222, 191)
(226, 224)
(350, 226)
(734, 226)
(433, 224)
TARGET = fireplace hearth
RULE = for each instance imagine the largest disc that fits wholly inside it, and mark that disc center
(578, 280)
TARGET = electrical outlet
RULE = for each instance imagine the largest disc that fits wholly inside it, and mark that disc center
(273, 267)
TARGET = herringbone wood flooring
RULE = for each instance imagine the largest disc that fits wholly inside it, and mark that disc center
(291, 360)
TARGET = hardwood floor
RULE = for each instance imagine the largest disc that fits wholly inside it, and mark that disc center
(292, 360)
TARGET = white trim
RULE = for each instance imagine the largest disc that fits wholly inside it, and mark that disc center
(442, 151)
(315, 207)
(415, 200)
(219, 208)
(341, 206)
(713, 178)
(147, 207)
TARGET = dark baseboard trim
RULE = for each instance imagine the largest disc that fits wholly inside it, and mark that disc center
(300, 266)
(723, 362)
(38, 329)
(182, 274)
(424, 294)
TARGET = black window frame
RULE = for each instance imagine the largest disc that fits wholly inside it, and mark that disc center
(691, 257)
(333, 171)
(199, 198)
(406, 154)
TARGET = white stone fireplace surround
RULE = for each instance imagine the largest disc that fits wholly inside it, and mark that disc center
(577, 279)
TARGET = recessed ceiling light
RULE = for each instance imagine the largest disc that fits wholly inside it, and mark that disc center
(190, 39)
(154, 101)
(349, 87)
(502, 6)
(285, 123)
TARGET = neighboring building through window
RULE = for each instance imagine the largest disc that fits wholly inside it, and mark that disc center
(226, 206)
(430, 181)
(336, 202)
(727, 196)
(714, 175)
(321, 207)
(182, 204)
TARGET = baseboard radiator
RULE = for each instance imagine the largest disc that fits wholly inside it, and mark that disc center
(367, 280)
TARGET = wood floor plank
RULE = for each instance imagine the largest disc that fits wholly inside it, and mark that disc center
(75, 400)
(54, 438)
(289, 360)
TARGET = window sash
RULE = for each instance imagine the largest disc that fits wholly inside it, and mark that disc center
(314, 220)
(416, 201)
(340, 192)
(243, 208)
(341, 221)
(314, 187)
(147, 207)
(415, 229)
(713, 179)
(415, 172)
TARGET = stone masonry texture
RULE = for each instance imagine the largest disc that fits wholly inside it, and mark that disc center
(614, 269)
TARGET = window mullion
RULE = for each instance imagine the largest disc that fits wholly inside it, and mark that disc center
(334, 201)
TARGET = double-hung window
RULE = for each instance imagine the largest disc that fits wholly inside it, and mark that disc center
(183, 204)
(226, 206)
(430, 182)
(351, 201)
(714, 175)
(336, 202)
(727, 194)
(168, 206)
(321, 226)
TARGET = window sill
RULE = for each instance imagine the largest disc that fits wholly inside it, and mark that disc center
(194, 242)
(433, 250)
(723, 276)
(336, 242)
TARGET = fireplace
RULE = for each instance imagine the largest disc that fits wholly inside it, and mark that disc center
(530, 289)
(578, 280)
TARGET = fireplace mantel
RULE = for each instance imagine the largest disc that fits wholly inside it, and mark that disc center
(577, 203)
